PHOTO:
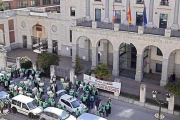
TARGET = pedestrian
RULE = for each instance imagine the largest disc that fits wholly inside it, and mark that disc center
(53, 103)
(97, 104)
(45, 104)
(103, 109)
(59, 106)
(84, 99)
(2, 106)
(107, 109)
(88, 102)
(77, 112)
(91, 101)
(110, 105)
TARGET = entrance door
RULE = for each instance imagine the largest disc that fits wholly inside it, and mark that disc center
(55, 46)
(24, 37)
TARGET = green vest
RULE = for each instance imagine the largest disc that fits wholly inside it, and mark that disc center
(107, 106)
(92, 98)
(53, 103)
(84, 98)
(77, 112)
(49, 100)
(110, 104)
(44, 104)
(77, 82)
(40, 103)
(103, 109)
(6, 83)
(59, 106)
(90, 88)
(77, 93)
(81, 112)
(1, 104)
(64, 109)
(85, 110)
(71, 93)
(97, 113)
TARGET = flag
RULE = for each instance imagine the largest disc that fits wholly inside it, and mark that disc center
(129, 14)
(114, 16)
(144, 16)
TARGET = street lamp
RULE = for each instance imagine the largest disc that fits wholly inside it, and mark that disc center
(154, 95)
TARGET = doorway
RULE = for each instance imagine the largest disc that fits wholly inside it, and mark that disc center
(24, 37)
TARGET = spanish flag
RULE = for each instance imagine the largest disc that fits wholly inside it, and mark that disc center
(129, 15)
(114, 16)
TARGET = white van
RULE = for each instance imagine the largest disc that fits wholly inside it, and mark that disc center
(25, 105)
(87, 116)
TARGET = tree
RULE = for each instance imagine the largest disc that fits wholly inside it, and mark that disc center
(26, 62)
(78, 66)
(45, 60)
(102, 71)
(174, 88)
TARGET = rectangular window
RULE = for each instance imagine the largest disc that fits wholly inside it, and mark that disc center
(56, 2)
(163, 21)
(7, 6)
(158, 67)
(117, 16)
(99, 44)
(119, 1)
(98, 15)
(18, 103)
(70, 35)
(72, 10)
(164, 2)
(35, 2)
(139, 18)
(46, 2)
(159, 52)
(71, 52)
(140, 1)
(14, 102)
(23, 4)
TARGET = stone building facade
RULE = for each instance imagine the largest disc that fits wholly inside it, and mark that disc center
(85, 27)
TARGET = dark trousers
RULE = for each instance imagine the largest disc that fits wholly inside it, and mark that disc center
(91, 104)
(107, 112)
(2, 110)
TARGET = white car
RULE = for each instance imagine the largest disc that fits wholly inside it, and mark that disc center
(61, 93)
(71, 103)
(25, 105)
(52, 113)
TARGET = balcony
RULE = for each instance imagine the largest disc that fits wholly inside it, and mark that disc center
(175, 33)
(154, 31)
(118, 1)
(139, 1)
(164, 3)
(130, 28)
(98, 0)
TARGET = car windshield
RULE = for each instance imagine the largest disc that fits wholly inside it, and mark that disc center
(62, 93)
(75, 104)
(64, 115)
(32, 105)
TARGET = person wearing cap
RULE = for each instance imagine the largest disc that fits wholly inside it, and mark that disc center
(77, 112)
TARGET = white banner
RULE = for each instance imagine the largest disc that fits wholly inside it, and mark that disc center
(105, 85)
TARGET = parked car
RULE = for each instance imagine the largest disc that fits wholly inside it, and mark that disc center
(52, 113)
(88, 116)
(71, 103)
(25, 105)
(61, 93)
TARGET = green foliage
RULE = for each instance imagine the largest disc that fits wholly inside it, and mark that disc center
(102, 71)
(2, 5)
(78, 66)
(45, 60)
(174, 88)
(26, 62)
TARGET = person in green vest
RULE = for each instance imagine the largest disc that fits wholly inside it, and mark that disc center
(25, 92)
(40, 103)
(77, 94)
(15, 93)
(49, 100)
(86, 110)
(77, 112)
(64, 108)
(97, 113)
(107, 109)
(81, 112)
(59, 106)
(1, 106)
(91, 101)
(6, 85)
(53, 103)
(103, 109)
(84, 99)
(45, 104)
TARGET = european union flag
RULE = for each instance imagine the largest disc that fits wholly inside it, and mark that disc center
(144, 16)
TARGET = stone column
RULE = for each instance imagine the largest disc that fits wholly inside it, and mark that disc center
(105, 52)
(72, 79)
(94, 24)
(3, 60)
(127, 5)
(7, 39)
(115, 71)
(94, 57)
(34, 66)
(86, 49)
(88, 10)
(171, 104)
(106, 19)
(143, 93)
(175, 25)
(164, 75)
(74, 52)
(139, 68)
(52, 71)
(151, 10)
(18, 62)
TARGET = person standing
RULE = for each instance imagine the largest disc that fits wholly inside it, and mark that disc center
(97, 104)
(107, 109)
(110, 106)
(2, 106)
(77, 112)
(91, 101)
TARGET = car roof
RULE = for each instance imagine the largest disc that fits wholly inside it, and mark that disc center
(23, 98)
(68, 98)
(87, 116)
(54, 110)
(2, 94)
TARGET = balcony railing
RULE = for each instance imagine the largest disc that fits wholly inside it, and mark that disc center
(140, 2)
(154, 31)
(105, 25)
(130, 28)
(175, 33)
(164, 2)
(85, 24)
(97, 0)
(118, 1)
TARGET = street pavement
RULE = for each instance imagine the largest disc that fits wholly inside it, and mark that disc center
(120, 110)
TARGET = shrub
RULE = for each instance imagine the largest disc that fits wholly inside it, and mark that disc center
(26, 62)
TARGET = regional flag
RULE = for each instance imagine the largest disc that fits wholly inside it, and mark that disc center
(129, 14)
(114, 16)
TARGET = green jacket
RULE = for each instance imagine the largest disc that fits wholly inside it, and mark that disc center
(107, 106)
(53, 103)
(77, 112)
(84, 98)
(49, 100)
(44, 104)
(59, 106)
